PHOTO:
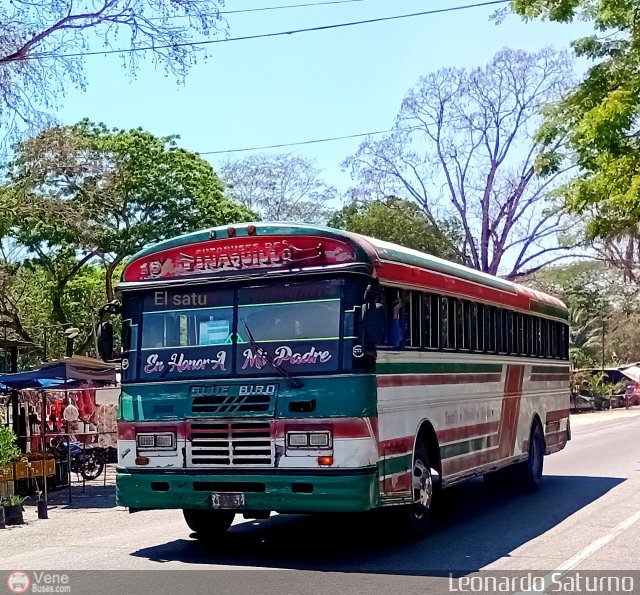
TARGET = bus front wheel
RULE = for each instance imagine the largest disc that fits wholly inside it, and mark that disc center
(207, 524)
(414, 518)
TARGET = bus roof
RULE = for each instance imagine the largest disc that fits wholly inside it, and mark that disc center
(392, 262)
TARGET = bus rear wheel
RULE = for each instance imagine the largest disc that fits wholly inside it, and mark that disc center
(208, 524)
(529, 472)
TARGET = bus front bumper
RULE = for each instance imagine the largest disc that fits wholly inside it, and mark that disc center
(285, 491)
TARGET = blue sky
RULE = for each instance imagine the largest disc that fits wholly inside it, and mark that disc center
(307, 86)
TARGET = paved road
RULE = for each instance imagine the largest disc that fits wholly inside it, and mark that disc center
(583, 515)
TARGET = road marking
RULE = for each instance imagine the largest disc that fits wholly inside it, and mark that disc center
(591, 549)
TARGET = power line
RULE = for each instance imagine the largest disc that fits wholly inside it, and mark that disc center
(287, 6)
(261, 9)
(268, 35)
(304, 142)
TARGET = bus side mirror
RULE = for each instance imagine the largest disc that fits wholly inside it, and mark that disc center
(104, 333)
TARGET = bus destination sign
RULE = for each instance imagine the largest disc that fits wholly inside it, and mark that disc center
(239, 254)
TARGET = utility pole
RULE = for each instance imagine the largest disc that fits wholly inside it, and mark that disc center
(603, 372)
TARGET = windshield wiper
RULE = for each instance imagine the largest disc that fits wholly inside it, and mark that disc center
(262, 352)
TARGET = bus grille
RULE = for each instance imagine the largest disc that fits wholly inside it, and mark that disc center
(232, 404)
(231, 443)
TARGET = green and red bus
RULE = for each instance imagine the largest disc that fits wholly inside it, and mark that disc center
(275, 367)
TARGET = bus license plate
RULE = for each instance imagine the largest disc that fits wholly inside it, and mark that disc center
(227, 500)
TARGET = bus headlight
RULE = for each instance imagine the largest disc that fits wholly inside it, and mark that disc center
(163, 441)
(320, 440)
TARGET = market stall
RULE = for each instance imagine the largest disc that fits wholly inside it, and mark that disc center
(55, 410)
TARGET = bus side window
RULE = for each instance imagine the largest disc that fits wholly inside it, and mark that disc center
(537, 341)
(509, 331)
(431, 321)
(398, 308)
(473, 326)
(447, 323)
(520, 335)
(414, 320)
(460, 330)
(480, 324)
(490, 329)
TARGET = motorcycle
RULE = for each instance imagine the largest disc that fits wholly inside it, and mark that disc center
(89, 462)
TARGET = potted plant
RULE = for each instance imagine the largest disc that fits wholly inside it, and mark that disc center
(12, 505)
(13, 511)
(8, 452)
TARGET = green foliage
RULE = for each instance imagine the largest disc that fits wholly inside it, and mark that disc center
(401, 222)
(113, 191)
(598, 119)
(12, 500)
(81, 199)
(597, 385)
(585, 338)
(8, 448)
(599, 298)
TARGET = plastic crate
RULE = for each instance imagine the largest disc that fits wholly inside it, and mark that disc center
(20, 470)
(36, 469)
(6, 474)
(49, 467)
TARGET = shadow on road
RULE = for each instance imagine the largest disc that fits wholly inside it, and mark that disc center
(473, 528)
(93, 495)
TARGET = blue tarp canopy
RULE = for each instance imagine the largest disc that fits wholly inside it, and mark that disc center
(67, 372)
(41, 383)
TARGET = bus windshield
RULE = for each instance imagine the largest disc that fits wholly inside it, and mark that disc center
(199, 332)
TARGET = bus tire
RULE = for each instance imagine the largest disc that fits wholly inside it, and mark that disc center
(207, 524)
(414, 518)
(529, 472)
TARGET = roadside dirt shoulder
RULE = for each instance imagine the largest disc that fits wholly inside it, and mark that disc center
(594, 417)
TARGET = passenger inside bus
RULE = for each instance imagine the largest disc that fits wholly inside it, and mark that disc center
(396, 306)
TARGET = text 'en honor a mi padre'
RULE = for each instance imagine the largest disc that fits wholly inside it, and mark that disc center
(178, 362)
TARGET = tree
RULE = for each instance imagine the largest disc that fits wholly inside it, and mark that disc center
(600, 300)
(43, 43)
(89, 194)
(599, 117)
(585, 338)
(462, 145)
(402, 222)
(107, 193)
(278, 187)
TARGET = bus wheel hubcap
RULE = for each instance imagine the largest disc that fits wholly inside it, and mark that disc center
(422, 488)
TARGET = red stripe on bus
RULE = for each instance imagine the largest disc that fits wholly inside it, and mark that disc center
(556, 415)
(400, 482)
(389, 380)
(507, 428)
(397, 446)
(451, 434)
(510, 410)
(389, 271)
(550, 377)
(128, 430)
(348, 427)
(554, 438)
(467, 462)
